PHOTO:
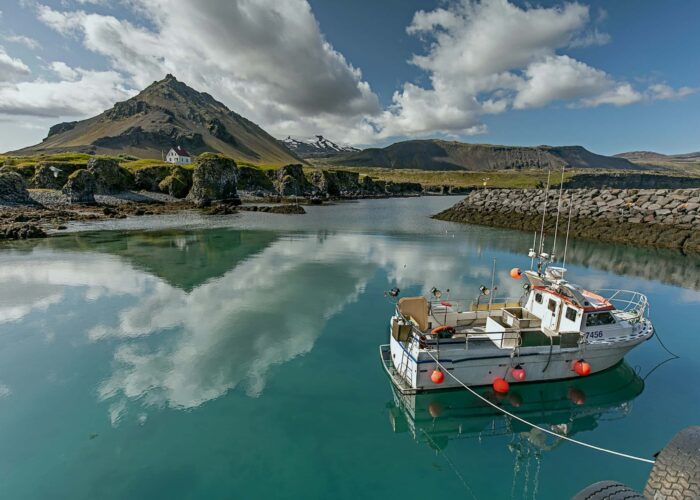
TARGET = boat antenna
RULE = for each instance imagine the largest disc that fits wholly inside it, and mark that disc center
(493, 282)
(556, 224)
(568, 228)
(544, 215)
(532, 251)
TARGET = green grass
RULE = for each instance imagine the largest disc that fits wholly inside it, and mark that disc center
(134, 165)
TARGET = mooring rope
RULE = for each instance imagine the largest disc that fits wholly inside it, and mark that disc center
(535, 426)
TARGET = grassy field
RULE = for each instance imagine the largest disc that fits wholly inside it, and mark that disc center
(504, 178)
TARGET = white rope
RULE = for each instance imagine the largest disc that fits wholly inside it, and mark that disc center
(535, 426)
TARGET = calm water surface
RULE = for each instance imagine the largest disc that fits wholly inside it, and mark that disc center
(237, 357)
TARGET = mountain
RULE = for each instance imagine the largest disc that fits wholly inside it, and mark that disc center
(317, 146)
(165, 114)
(683, 163)
(433, 154)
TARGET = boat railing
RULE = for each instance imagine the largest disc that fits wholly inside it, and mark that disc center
(633, 305)
(483, 304)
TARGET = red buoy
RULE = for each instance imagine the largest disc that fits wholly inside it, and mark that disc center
(437, 377)
(582, 368)
(516, 273)
(500, 385)
(576, 396)
(518, 373)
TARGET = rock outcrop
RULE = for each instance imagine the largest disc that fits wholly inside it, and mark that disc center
(80, 187)
(291, 181)
(109, 176)
(661, 217)
(148, 178)
(48, 176)
(13, 188)
(214, 178)
(178, 183)
(255, 180)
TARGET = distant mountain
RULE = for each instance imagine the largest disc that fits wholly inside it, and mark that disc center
(642, 156)
(435, 154)
(317, 146)
(165, 114)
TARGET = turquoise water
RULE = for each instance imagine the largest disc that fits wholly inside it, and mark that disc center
(237, 357)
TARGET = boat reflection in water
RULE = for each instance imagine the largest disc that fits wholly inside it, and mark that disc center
(566, 407)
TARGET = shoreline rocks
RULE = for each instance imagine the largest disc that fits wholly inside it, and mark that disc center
(13, 188)
(654, 217)
(214, 179)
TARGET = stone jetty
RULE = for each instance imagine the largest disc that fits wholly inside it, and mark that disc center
(668, 218)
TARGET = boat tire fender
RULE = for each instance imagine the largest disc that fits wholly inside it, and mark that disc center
(607, 490)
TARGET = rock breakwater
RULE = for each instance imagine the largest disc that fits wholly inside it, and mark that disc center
(668, 218)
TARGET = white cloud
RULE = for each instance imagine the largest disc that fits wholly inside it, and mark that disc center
(487, 57)
(266, 60)
(11, 68)
(64, 71)
(22, 40)
(663, 91)
(87, 93)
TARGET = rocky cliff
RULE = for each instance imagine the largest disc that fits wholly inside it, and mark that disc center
(656, 217)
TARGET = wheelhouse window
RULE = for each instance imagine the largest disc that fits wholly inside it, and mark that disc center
(571, 314)
(538, 298)
(552, 305)
(598, 319)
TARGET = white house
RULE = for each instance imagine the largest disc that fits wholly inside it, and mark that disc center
(179, 156)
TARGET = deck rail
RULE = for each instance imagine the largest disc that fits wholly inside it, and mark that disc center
(633, 305)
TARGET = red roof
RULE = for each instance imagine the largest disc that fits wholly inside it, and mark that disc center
(181, 151)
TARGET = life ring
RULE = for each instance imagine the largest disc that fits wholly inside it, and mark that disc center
(444, 328)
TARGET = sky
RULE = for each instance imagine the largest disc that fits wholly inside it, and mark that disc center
(611, 76)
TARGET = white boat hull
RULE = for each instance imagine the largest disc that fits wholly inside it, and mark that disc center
(481, 365)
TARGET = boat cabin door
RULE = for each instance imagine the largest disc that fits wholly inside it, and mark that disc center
(553, 310)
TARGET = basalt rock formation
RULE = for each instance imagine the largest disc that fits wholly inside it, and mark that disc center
(80, 187)
(214, 178)
(13, 188)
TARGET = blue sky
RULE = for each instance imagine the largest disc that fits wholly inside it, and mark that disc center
(611, 76)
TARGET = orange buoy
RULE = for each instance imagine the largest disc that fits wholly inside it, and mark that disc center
(576, 396)
(437, 377)
(500, 385)
(582, 367)
(518, 373)
(516, 273)
(435, 409)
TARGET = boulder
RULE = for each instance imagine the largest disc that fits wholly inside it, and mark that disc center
(47, 176)
(178, 183)
(80, 187)
(370, 187)
(21, 232)
(291, 181)
(149, 178)
(348, 182)
(13, 188)
(214, 178)
(109, 176)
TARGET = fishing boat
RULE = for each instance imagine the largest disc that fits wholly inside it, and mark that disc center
(555, 330)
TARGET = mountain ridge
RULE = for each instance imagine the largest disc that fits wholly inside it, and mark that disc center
(164, 114)
(436, 154)
(317, 146)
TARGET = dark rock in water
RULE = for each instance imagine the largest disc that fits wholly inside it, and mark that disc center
(178, 183)
(222, 209)
(109, 176)
(255, 180)
(276, 209)
(13, 188)
(47, 176)
(80, 187)
(291, 181)
(21, 232)
(149, 178)
(214, 178)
